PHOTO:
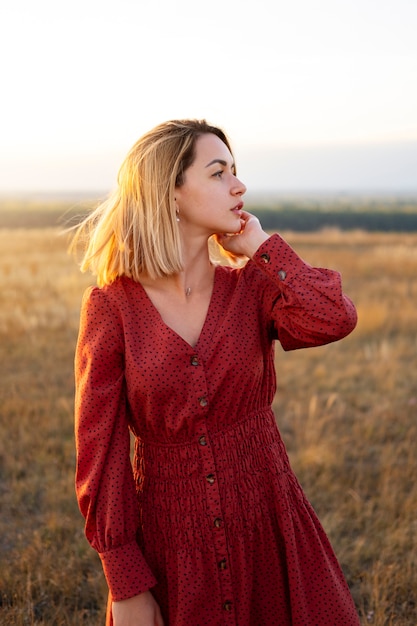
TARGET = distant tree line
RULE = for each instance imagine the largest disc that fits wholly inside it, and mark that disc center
(310, 220)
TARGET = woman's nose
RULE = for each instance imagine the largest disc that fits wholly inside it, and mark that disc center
(239, 188)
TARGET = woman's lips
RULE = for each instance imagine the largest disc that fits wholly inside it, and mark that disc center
(238, 209)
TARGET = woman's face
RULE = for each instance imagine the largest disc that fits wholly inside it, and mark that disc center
(209, 201)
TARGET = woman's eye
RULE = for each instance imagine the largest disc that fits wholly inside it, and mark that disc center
(218, 174)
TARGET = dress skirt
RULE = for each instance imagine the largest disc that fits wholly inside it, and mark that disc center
(247, 551)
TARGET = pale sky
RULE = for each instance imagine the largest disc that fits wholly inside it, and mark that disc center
(314, 94)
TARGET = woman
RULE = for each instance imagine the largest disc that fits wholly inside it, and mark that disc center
(211, 528)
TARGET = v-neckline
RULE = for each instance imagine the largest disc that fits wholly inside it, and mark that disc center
(205, 323)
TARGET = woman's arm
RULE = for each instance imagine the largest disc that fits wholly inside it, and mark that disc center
(104, 478)
(306, 305)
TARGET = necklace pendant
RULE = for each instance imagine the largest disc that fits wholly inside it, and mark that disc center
(188, 291)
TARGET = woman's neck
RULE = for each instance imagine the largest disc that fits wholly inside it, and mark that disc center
(196, 277)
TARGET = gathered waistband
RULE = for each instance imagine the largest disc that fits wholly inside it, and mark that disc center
(246, 445)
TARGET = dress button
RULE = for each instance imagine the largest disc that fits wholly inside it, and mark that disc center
(203, 401)
(265, 257)
(222, 565)
(282, 274)
(202, 441)
(227, 606)
(218, 522)
(210, 478)
(194, 360)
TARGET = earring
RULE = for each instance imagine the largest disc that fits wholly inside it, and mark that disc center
(178, 216)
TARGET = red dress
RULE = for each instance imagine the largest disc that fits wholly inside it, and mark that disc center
(212, 518)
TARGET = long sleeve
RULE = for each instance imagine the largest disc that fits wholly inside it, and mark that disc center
(104, 478)
(306, 305)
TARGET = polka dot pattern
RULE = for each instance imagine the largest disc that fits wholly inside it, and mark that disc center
(212, 517)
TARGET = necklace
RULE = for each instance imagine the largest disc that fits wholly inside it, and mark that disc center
(188, 291)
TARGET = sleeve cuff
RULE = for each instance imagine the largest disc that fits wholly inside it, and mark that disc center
(126, 571)
(278, 260)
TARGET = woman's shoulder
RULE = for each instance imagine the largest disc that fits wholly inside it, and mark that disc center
(115, 302)
(112, 294)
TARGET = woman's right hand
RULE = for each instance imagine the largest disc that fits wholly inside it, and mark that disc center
(141, 610)
(248, 240)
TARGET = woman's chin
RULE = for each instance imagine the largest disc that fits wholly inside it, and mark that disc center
(235, 231)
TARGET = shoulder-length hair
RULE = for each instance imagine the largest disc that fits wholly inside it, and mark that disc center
(135, 230)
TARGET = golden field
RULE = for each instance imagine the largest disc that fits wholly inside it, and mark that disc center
(346, 411)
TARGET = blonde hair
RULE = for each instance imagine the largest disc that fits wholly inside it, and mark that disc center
(135, 230)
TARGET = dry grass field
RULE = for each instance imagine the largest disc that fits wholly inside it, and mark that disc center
(347, 413)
